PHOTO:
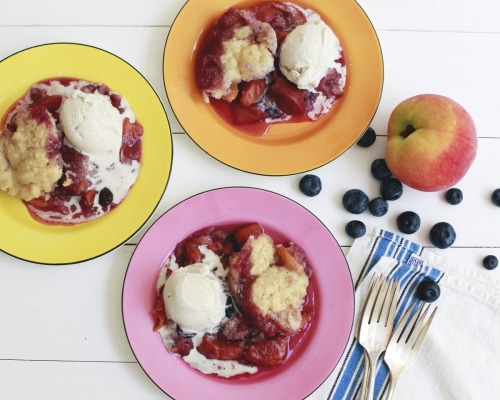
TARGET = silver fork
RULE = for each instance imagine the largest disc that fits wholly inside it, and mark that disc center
(356, 334)
(406, 341)
(376, 324)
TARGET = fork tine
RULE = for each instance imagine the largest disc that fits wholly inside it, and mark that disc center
(395, 297)
(394, 300)
(418, 337)
(363, 305)
(371, 285)
(423, 331)
(410, 328)
(379, 307)
(371, 300)
(372, 282)
(417, 326)
(396, 336)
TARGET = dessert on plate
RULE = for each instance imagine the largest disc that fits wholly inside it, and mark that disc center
(70, 150)
(231, 301)
(273, 62)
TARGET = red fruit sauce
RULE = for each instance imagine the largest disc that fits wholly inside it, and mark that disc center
(238, 338)
(254, 110)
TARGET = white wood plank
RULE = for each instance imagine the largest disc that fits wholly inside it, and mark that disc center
(432, 15)
(91, 13)
(423, 15)
(23, 380)
(63, 312)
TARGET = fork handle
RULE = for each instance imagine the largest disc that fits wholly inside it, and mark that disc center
(392, 386)
(372, 358)
(364, 382)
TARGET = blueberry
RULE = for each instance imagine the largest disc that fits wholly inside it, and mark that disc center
(490, 262)
(391, 189)
(408, 222)
(184, 334)
(105, 197)
(454, 196)
(234, 243)
(495, 197)
(355, 229)
(273, 112)
(368, 138)
(230, 307)
(355, 201)
(310, 185)
(442, 235)
(428, 291)
(378, 206)
(380, 170)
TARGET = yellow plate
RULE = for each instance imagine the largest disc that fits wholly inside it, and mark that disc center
(286, 148)
(27, 239)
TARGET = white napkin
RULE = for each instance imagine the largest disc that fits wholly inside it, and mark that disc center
(459, 357)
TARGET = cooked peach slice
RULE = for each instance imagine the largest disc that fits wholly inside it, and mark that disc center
(244, 233)
(289, 261)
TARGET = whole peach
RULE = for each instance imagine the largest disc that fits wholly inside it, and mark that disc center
(431, 142)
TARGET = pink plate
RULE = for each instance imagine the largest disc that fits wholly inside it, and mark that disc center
(322, 344)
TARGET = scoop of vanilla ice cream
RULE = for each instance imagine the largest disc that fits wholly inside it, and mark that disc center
(91, 123)
(308, 52)
(194, 298)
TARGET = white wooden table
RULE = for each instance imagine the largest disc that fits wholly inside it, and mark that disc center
(61, 330)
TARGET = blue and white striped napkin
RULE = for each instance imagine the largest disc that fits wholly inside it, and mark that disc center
(459, 357)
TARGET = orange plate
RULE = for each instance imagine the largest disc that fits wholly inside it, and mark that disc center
(288, 148)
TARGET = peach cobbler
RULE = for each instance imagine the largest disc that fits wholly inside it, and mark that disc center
(231, 301)
(273, 62)
(70, 149)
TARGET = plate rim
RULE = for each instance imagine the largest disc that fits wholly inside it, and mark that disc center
(33, 260)
(267, 192)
